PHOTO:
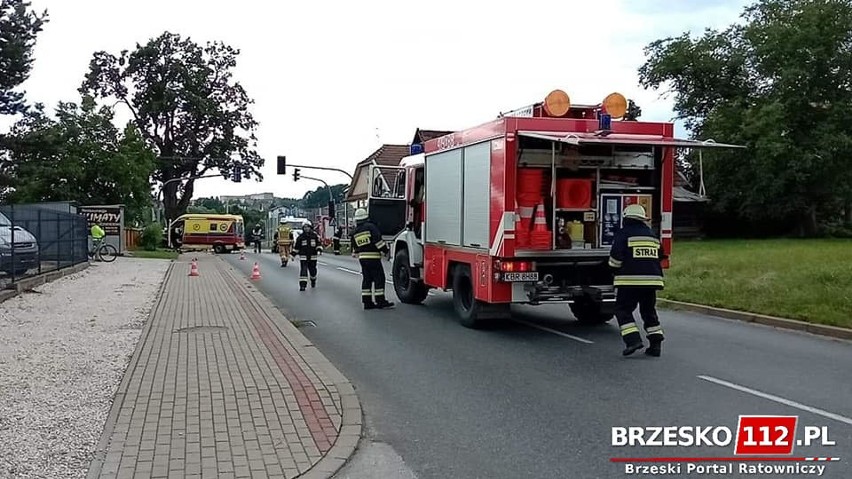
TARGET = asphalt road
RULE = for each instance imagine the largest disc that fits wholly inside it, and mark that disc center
(537, 396)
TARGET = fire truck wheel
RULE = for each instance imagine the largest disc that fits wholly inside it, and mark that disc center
(466, 305)
(590, 312)
(407, 290)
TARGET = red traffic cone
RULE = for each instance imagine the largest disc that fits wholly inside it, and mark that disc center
(193, 270)
(242, 255)
(255, 272)
(540, 222)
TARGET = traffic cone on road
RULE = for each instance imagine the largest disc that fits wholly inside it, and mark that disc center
(193, 270)
(242, 255)
(255, 272)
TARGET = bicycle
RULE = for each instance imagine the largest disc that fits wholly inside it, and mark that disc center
(103, 251)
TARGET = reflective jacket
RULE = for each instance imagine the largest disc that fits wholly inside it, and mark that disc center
(636, 255)
(307, 246)
(97, 232)
(285, 234)
(367, 241)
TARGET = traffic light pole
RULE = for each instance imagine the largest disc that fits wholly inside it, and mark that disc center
(331, 198)
(282, 169)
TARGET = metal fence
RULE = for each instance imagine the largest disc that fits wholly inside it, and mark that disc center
(36, 240)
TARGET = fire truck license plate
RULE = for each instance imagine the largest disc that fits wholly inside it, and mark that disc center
(533, 276)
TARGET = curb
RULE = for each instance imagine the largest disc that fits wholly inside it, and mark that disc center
(31, 282)
(792, 324)
(351, 421)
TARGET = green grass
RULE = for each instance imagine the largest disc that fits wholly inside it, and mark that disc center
(809, 280)
(157, 254)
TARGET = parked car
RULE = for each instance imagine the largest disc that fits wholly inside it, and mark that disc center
(25, 255)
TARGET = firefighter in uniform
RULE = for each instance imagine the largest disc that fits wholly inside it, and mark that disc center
(307, 246)
(336, 240)
(636, 253)
(368, 244)
(285, 241)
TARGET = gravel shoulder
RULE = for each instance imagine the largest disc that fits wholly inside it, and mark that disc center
(63, 352)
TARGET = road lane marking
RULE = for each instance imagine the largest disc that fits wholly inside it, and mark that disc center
(322, 263)
(786, 402)
(347, 270)
(554, 331)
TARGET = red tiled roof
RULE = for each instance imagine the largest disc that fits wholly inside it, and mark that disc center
(421, 136)
(387, 155)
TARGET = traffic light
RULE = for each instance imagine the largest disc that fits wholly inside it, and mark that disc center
(296, 174)
(237, 174)
(331, 209)
(282, 165)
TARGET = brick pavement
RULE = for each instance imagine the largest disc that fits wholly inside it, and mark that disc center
(222, 385)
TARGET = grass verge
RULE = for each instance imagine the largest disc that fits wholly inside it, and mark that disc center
(809, 280)
(156, 254)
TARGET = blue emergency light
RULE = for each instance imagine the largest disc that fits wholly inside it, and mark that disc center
(604, 122)
(416, 149)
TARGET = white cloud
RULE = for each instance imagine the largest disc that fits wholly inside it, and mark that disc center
(326, 75)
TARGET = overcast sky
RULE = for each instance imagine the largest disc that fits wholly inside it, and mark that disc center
(333, 80)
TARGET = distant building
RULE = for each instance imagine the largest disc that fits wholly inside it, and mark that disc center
(248, 198)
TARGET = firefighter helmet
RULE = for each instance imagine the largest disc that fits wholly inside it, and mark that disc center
(307, 225)
(636, 212)
(361, 214)
(282, 221)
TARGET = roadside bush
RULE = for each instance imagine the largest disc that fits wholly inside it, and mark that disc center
(152, 237)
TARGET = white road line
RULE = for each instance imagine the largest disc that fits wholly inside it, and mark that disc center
(346, 270)
(321, 263)
(554, 331)
(786, 402)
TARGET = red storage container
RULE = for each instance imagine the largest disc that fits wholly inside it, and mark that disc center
(574, 193)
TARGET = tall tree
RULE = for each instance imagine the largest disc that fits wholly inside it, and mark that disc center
(18, 29)
(185, 101)
(780, 83)
(81, 156)
(318, 198)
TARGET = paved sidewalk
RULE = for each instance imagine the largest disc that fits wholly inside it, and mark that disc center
(222, 385)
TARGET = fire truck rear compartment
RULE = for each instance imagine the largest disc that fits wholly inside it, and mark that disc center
(570, 198)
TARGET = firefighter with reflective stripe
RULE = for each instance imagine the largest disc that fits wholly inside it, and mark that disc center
(369, 246)
(308, 247)
(284, 241)
(636, 254)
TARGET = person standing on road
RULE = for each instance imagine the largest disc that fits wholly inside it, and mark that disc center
(256, 236)
(368, 244)
(307, 246)
(636, 255)
(336, 240)
(284, 241)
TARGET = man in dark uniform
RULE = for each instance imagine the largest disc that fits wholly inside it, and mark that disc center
(368, 244)
(307, 246)
(636, 254)
(336, 240)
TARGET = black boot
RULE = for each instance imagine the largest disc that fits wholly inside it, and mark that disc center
(313, 283)
(384, 304)
(654, 349)
(369, 306)
(632, 348)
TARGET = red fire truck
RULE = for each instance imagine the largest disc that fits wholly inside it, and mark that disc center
(523, 209)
